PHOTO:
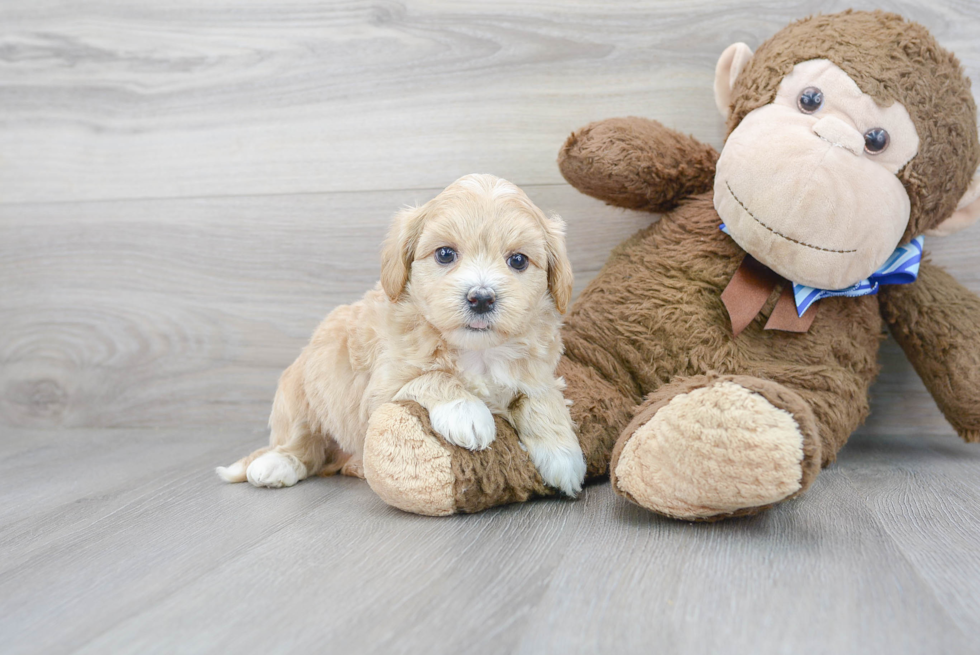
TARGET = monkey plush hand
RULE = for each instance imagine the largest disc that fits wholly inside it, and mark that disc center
(724, 354)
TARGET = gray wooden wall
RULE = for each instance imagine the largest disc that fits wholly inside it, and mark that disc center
(186, 188)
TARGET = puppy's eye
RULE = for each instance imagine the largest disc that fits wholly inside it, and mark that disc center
(876, 140)
(445, 255)
(810, 100)
(517, 261)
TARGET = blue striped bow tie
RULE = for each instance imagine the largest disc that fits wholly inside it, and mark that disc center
(901, 268)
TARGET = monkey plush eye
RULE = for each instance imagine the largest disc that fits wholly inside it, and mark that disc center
(517, 261)
(810, 100)
(445, 255)
(875, 140)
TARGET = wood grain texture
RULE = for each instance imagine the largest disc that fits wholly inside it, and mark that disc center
(118, 99)
(924, 493)
(133, 547)
(186, 189)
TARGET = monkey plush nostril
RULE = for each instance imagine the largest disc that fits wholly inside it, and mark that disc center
(480, 300)
(840, 134)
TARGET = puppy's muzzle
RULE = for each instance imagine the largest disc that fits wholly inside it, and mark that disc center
(480, 300)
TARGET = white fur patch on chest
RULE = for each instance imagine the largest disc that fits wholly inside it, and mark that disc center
(489, 374)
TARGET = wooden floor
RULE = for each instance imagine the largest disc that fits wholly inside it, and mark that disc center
(186, 188)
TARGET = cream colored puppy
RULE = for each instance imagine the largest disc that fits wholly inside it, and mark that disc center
(465, 321)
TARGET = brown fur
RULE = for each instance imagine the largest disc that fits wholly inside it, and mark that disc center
(648, 155)
(497, 476)
(652, 324)
(936, 321)
(660, 294)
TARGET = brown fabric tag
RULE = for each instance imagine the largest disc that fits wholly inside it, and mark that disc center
(784, 316)
(748, 292)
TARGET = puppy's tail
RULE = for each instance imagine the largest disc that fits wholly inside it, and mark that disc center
(233, 473)
(236, 472)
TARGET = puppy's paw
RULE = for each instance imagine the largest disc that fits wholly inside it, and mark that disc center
(274, 469)
(354, 468)
(561, 467)
(466, 423)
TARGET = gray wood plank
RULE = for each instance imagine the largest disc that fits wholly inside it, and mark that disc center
(264, 569)
(132, 552)
(816, 575)
(458, 586)
(62, 483)
(924, 493)
(171, 559)
(118, 99)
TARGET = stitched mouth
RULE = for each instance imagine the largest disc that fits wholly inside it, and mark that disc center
(779, 234)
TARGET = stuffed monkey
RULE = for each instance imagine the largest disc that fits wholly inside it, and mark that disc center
(724, 354)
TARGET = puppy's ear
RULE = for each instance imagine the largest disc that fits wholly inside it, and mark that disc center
(398, 251)
(560, 277)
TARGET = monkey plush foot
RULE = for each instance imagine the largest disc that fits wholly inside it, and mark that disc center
(713, 447)
(413, 468)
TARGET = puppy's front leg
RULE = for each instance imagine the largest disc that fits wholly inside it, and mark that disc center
(455, 413)
(545, 428)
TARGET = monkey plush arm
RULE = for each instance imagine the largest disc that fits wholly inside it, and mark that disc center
(936, 321)
(637, 163)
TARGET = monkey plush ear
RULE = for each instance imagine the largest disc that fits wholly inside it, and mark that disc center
(398, 251)
(967, 212)
(730, 64)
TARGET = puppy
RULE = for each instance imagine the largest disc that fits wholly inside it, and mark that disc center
(465, 321)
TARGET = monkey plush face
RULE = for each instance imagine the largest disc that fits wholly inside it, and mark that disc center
(808, 183)
(849, 134)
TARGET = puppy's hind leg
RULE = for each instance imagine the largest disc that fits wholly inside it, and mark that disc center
(295, 452)
(286, 464)
(236, 472)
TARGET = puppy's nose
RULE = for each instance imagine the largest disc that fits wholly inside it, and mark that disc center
(480, 299)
